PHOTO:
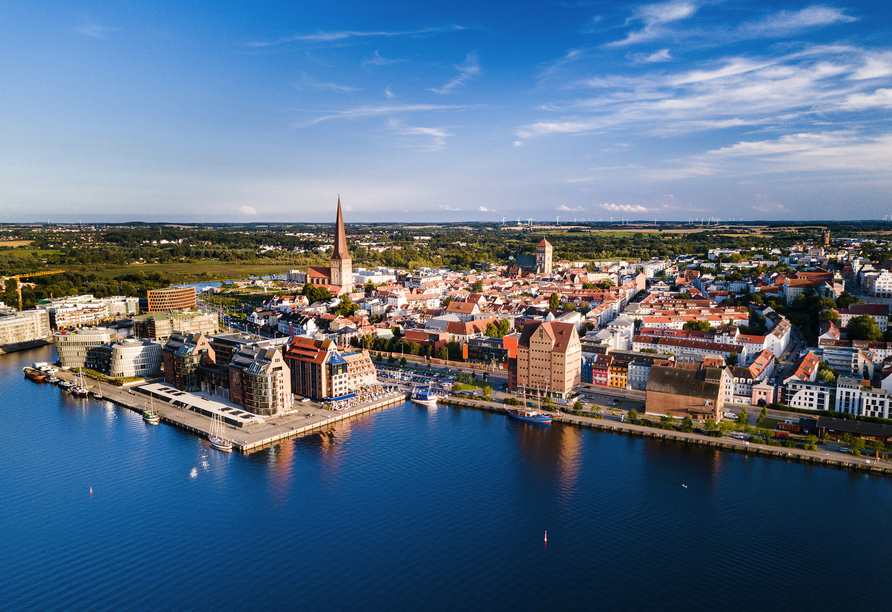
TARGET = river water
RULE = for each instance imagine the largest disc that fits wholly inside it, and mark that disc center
(413, 508)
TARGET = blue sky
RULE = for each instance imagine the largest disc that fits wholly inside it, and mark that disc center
(264, 111)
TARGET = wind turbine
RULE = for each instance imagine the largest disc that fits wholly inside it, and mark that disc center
(530, 222)
(557, 220)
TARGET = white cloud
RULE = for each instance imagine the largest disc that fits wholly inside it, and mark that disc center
(655, 17)
(437, 136)
(484, 209)
(388, 94)
(383, 110)
(247, 210)
(876, 65)
(564, 208)
(377, 60)
(466, 71)
(446, 207)
(881, 98)
(624, 208)
(314, 84)
(518, 143)
(785, 23)
(321, 36)
(765, 204)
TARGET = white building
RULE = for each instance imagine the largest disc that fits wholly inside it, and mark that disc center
(131, 357)
(24, 326)
(72, 346)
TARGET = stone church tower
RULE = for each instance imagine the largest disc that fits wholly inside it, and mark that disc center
(341, 264)
(544, 253)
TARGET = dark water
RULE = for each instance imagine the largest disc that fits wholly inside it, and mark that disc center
(413, 508)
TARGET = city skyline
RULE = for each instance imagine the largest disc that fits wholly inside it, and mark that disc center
(587, 110)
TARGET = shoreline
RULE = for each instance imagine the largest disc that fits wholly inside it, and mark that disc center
(259, 435)
(864, 464)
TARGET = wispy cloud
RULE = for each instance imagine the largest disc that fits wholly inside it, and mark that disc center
(437, 136)
(775, 92)
(786, 23)
(881, 98)
(321, 36)
(377, 60)
(388, 93)
(314, 84)
(468, 70)
(383, 110)
(764, 204)
(565, 208)
(93, 29)
(655, 17)
(248, 210)
(662, 55)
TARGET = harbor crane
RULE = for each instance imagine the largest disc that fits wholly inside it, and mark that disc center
(18, 283)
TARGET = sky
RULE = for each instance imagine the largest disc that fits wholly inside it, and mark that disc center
(458, 111)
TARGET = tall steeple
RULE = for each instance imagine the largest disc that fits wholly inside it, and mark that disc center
(340, 241)
(341, 263)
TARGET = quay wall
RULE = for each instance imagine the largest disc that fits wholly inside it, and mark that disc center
(738, 446)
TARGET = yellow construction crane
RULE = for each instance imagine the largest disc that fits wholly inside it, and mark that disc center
(18, 283)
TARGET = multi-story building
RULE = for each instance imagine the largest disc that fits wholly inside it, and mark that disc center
(682, 392)
(857, 397)
(319, 371)
(260, 380)
(809, 395)
(126, 358)
(72, 346)
(171, 299)
(183, 355)
(878, 312)
(24, 326)
(160, 325)
(549, 359)
(79, 310)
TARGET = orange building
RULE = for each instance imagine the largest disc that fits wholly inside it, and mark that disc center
(174, 298)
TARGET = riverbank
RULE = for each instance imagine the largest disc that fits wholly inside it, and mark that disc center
(614, 425)
(24, 346)
(192, 412)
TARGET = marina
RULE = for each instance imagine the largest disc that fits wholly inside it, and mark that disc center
(247, 432)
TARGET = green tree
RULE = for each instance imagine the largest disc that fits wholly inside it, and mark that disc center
(857, 445)
(741, 417)
(477, 287)
(863, 327)
(633, 414)
(554, 301)
(697, 326)
(710, 425)
(487, 393)
(402, 361)
(732, 359)
(442, 353)
(762, 416)
(577, 406)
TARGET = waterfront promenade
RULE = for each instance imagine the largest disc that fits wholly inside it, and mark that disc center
(611, 423)
(191, 412)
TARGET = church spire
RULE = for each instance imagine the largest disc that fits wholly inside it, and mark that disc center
(340, 240)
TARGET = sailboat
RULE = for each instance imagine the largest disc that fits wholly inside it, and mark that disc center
(80, 388)
(98, 392)
(216, 436)
(149, 415)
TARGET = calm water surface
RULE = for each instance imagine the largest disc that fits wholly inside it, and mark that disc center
(416, 508)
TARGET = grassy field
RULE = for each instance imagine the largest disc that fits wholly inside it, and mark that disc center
(14, 244)
(180, 272)
(26, 252)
